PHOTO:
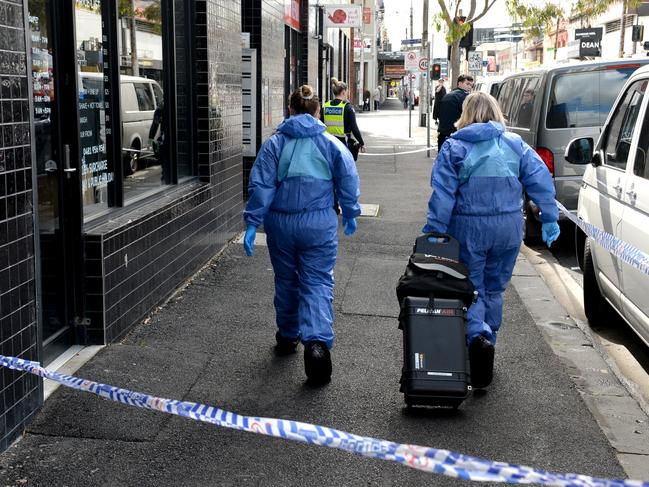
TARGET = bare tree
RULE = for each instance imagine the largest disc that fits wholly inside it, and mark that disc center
(451, 10)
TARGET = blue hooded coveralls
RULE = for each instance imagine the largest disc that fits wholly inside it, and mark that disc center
(478, 181)
(291, 191)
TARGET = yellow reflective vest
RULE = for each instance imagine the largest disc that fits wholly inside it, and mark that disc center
(334, 118)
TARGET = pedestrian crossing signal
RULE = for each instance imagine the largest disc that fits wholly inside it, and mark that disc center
(436, 72)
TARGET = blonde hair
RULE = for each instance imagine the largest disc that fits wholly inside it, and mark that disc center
(337, 86)
(480, 107)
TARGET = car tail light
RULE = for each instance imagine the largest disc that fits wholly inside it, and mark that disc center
(547, 157)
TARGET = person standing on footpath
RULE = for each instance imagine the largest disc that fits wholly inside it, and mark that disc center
(339, 117)
(440, 92)
(478, 181)
(292, 186)
(378, 97)
(451, 108)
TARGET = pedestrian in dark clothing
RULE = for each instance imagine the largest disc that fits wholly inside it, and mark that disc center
(450, 109)
(366, 100)
(440, 92)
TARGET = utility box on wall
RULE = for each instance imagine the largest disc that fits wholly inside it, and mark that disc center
(249, 101)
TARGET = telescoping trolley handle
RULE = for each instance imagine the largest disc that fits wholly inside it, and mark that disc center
(438, 244)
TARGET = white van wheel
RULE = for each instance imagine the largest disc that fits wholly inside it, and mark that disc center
(132, 160)
(598, 311)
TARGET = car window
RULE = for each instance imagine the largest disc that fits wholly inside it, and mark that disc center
(144, 97)
(507, 97)
(495, 88)
(157, 91)
(641, 164)
(503, 93)
(584, 99)
(620, 130)
(525, 106)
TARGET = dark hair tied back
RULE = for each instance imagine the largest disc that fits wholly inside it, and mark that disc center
(303, 100)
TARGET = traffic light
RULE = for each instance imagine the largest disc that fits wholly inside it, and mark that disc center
(436, 72)
(637, 33)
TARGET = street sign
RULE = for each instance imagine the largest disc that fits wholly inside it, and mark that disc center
(475, 61)
(423, 64)
(411, 61)
(409, 42)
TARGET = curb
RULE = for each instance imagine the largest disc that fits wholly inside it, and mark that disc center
(617, 412)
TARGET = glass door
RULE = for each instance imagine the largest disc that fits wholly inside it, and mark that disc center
(57, 135)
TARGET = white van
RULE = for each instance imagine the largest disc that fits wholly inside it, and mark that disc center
(614, 197)
(139, 98)
(489, 85)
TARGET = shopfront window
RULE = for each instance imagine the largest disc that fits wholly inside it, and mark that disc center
(123, 151)
(96, 167)
(144, 155)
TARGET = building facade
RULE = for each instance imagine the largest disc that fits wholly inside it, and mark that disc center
(121, 181)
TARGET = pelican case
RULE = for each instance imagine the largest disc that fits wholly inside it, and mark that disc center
(435, 370)
(434, 294)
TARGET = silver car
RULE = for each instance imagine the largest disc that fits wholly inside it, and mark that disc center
(550, 107)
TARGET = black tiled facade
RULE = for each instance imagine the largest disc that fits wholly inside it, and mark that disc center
(20, 394)
(135, 261)
(135, 258)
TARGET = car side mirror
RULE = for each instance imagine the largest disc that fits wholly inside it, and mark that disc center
(580, 151)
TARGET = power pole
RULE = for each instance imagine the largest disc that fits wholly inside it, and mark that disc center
(135, 66)
(362, 63)
(622, 28)
(411, 98)
(352, 67)
(423, 80)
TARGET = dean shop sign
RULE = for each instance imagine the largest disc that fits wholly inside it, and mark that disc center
(590, 41)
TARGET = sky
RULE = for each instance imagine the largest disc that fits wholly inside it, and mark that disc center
(397, 19)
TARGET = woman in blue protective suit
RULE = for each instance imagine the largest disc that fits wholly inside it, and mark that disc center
(291, 190)
(478, 181)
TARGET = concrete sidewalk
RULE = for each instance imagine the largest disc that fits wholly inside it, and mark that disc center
(213, 343)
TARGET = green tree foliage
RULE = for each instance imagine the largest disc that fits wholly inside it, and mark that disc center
(535, 20)
(538, 19)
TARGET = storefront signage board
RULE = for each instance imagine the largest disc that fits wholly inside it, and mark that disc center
(589, 41)
(343, 16)
(292, 13)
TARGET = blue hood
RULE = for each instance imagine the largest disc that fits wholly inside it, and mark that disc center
(301, 126)
(477, 132)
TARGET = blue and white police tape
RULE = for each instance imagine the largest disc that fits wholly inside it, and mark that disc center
(418, 457)
(626, 252)
(414, 151)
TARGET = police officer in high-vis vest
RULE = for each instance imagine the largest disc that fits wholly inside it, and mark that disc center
(339, 117)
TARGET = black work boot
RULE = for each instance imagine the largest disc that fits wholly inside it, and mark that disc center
(317, 362)
(285, 346)
(481, 360)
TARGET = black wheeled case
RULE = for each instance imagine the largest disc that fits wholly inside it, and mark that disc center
(435, 370)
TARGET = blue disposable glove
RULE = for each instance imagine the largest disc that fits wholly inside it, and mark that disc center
(550, 232)
(249, 239)
(349, 225)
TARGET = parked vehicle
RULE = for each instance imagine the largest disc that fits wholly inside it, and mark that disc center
(139, 99)
(614, 197)
(549, 107)
(490, 85)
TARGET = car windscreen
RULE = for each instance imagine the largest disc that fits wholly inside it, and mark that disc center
(583, 99)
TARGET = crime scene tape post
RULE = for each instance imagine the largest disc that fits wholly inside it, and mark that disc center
(422, 458)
